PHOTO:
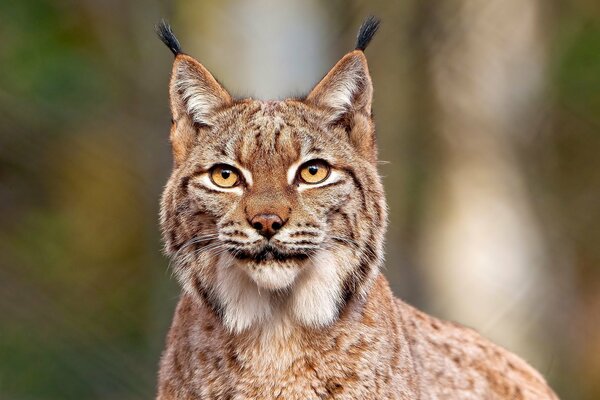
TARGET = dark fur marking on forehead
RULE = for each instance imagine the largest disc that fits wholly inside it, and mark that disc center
(270, 107)
(252, 112)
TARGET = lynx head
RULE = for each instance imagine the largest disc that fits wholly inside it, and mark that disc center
(274, 208)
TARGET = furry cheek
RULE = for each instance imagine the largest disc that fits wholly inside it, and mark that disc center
(243, 305)
(317, 294)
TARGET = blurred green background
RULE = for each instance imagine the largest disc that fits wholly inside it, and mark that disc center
(488, 120)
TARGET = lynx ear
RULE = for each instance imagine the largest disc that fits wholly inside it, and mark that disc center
(346, 93)
(194, 94)
(194, 91)
(346, 88)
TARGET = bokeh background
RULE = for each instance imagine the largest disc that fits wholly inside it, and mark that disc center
(488, 117)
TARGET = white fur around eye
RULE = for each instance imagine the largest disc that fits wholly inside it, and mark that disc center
(245, 173)
(205, 181)
(293, 171)
(333, 177)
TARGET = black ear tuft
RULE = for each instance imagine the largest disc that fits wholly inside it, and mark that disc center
(366, 32)
(165, 33)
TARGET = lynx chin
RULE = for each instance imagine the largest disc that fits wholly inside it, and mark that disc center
(274, 218)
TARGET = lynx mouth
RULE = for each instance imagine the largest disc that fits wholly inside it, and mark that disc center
(269, 254)
(272, 268)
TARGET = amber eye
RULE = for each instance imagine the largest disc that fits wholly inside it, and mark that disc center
(224, 176)
(315, 171)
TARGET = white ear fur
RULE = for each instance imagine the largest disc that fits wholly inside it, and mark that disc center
(346, 88)
(194, 91)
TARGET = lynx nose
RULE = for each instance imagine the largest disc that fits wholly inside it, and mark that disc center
(267, 224)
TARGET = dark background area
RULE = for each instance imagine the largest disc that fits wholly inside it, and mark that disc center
(488, 120)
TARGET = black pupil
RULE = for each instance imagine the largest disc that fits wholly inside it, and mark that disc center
(225, 173)
(313, 169)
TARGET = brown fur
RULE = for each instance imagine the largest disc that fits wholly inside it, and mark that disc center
(305, 314)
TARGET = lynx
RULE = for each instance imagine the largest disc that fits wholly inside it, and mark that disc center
(274, 219)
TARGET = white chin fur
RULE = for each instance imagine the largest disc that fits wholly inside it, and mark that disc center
(272, 276)
(242, 302)
(316, 296)
(248, 295)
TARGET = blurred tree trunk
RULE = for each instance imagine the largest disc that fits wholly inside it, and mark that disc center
(481, 246)
(278, 50)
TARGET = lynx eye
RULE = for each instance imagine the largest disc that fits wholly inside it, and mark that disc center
(224, 176)
(315, 171)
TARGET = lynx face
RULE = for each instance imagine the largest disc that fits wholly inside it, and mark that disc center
(274, 209)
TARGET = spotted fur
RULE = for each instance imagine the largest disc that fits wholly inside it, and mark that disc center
(304, 313)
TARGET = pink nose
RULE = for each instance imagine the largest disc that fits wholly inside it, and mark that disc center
(267, 224)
